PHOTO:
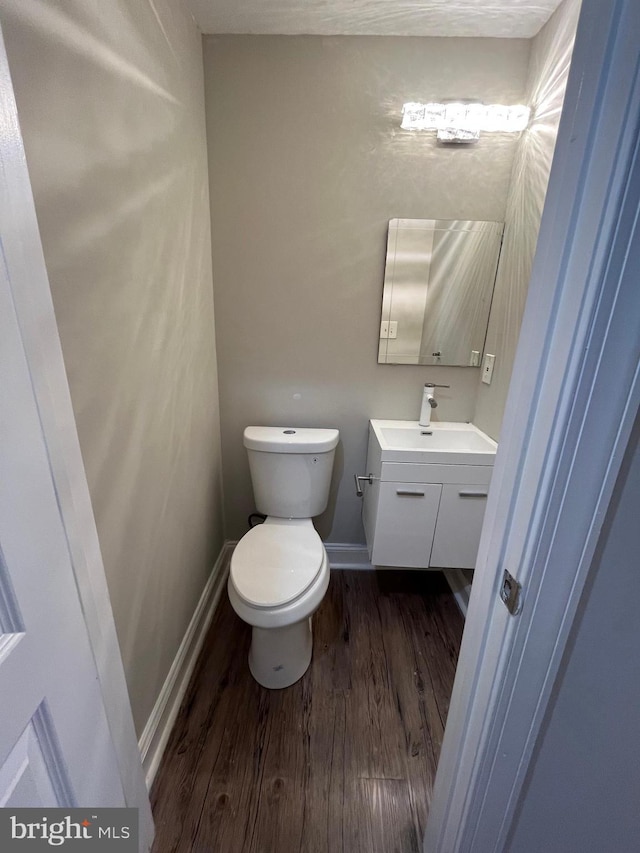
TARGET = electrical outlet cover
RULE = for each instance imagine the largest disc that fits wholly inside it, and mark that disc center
(487, 368)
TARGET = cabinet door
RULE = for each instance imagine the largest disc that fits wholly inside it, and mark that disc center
(457, 536)
(405, 522)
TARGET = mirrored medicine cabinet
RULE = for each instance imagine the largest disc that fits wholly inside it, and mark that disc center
(438, 285)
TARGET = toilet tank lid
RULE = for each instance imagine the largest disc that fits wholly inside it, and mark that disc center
(290, 439)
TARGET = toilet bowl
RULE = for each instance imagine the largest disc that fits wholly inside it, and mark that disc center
(279, 570)
(278, 578)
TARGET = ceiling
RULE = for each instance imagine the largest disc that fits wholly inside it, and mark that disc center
(481, 18)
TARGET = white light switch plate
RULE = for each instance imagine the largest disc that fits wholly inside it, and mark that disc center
(487, 368)
(393, 329)
(384, 329)
(474, 360)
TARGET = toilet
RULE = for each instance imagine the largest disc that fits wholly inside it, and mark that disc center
(279, 569)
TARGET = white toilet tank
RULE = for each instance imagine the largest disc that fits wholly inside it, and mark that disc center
(290, 469)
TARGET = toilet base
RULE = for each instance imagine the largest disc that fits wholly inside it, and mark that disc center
(278, 657)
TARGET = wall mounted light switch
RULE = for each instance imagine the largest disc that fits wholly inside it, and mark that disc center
(393, 329)
(487, 368)
(384, 329)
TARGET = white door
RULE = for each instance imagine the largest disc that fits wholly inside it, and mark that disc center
(55, 744)
(569, 416)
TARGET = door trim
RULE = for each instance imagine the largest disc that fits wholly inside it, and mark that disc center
(556, 466)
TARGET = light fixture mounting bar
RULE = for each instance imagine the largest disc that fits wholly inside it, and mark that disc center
(461, 121)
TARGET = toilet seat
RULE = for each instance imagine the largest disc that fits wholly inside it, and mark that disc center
(275, 563)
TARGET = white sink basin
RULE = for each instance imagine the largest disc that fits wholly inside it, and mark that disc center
(444, 443)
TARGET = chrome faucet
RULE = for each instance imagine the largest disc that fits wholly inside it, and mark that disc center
(428, 402)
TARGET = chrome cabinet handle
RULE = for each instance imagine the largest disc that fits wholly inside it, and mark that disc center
(408, 493)
(471, 494)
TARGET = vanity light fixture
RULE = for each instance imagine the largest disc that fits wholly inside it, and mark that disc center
(462, 122)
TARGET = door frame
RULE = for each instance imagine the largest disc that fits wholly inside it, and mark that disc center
(573, 399)
(22, 253)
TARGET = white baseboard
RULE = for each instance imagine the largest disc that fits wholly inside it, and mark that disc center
(156, 733)
(346, 556)
(460, 587)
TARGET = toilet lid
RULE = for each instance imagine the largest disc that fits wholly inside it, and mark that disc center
(273, 564)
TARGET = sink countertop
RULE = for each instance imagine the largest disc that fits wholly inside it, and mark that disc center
(448, 443)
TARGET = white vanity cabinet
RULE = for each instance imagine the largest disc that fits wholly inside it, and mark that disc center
(459, 523)
(421, 514)
(403, 522)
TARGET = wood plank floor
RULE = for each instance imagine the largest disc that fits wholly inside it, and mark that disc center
(341, 762)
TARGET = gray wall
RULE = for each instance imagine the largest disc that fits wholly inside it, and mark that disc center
(307, 164)
(110, 99)
(583, 787)
(546, 84)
